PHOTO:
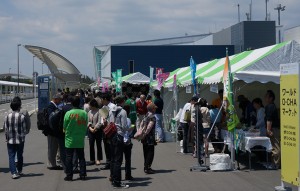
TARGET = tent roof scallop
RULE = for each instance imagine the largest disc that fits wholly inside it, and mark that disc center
(260, 65)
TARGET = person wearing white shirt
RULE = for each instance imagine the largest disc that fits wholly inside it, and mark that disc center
(185, 126)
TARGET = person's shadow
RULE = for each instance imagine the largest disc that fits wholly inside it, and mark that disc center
(32, 163)
(32, 174)
(163, 171)
(4, 170)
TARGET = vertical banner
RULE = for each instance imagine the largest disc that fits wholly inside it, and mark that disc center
(289, 123)
(98, 81)
(151, 79)
(103, 87)
(193, 74)
(98, 58)
(114, 75)
(159, 78)
(175, 87)
(233, 119)
(119, 80)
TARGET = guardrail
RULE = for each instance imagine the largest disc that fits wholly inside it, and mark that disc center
(6, 98)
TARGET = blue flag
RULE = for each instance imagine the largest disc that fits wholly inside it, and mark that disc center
(193, 73)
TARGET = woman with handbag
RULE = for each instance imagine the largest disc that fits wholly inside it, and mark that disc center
(149, 138)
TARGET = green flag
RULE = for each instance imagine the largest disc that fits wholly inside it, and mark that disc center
(119, 80)
(232, 118)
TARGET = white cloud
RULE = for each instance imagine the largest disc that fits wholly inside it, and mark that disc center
(73, 27)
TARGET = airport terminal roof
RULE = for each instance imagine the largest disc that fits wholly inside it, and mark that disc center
(58, 65)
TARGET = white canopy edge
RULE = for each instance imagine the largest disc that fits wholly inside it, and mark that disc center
(258, 76)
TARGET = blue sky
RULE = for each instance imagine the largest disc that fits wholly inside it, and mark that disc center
(73, 27)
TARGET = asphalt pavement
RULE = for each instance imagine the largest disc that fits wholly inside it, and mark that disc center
(172, 172)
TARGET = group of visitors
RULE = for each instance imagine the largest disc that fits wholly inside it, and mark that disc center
(70, 119)
(212, 119)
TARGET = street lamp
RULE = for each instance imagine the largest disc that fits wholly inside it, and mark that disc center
(33, 81)
(18, 70)
(279, 8)
(9, 70)
(43, 68)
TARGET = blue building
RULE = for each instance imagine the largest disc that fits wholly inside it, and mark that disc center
(169, 54)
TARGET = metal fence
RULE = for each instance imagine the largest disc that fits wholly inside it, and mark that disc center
(6, 98)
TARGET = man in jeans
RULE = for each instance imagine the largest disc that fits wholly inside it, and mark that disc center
(75, 127)
(15, 132)
(158, 101)
(119, 117)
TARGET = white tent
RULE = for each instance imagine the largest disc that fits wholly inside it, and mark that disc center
(260, 65)
(254, 72)
(136, 78)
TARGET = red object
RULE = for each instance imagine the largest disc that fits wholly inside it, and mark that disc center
(141, 108)
(110, 130)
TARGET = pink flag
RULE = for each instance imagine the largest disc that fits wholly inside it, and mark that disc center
(161, 78)
(98, 81)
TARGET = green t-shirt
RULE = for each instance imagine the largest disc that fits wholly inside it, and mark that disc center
(132, 115)
(75, 126)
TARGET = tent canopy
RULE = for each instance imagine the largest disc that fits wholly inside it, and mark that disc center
(260, 65)
(136, 78)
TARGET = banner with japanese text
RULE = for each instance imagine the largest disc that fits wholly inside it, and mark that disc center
(289, 123)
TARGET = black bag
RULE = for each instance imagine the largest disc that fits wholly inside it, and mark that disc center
(43, 119)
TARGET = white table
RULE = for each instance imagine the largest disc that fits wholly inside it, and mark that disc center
(250, 142)
(247, 143)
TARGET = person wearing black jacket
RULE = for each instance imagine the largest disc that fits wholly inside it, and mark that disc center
(60, 133)
(52, 135)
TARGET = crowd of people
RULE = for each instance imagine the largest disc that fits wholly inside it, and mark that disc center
(211, 119)
(75, 116)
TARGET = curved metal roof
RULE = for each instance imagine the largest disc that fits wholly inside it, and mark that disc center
(58, 65)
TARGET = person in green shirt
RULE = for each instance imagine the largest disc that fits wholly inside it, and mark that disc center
(75, 127)
(131, 102)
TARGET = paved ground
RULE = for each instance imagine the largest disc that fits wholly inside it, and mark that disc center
(172, 172)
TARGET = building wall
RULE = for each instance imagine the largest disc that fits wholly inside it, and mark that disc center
(292, 34)
(167, 57)
(247, 35)
(223, 37)
(259, 34)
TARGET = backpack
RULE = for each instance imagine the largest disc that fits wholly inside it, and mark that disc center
(43, 119)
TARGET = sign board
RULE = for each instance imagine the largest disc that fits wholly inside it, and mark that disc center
(289, 123)
(214, 88)
(43, 89)
(188, 89)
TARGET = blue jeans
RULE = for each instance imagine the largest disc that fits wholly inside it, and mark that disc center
(13, 150)
(69, 161)
(159, 127)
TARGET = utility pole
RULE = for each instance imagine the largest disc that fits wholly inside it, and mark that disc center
(239, 18)
(267, 10)
(279, 8)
